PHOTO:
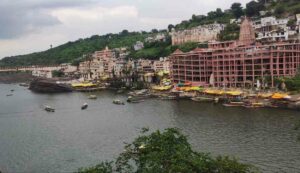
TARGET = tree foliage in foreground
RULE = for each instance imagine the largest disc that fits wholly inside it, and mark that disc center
(167, 151)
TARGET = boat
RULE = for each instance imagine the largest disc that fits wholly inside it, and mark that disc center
(135, 101)
(254, 105)
(131, 99)
(202, 99)
(49, 109)
(9, 95)
(12, 90)
(84, 106)
(168, 97)
(234, 104)
(118, 102)
(92, 97)
(24, 84)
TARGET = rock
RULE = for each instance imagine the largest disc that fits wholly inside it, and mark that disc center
(48, 86)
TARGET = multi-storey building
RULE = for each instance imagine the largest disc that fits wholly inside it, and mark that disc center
(236, 63)
(100, 65)
(163, 64)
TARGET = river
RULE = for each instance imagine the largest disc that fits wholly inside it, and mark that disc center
(32, 140)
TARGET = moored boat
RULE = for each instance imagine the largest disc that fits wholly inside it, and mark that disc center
(254, 105)
(202, 99)
(234, 104)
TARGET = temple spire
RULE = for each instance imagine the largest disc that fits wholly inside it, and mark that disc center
(247, 35)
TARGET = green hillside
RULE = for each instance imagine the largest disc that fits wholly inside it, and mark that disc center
(72, 51)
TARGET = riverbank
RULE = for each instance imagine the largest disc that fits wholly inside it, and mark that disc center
(229, 97)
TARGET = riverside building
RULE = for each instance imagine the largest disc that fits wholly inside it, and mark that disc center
(238, 63)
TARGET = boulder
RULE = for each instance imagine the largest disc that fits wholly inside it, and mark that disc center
(48, 86)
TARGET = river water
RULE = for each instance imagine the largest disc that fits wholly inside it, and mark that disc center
(32, 140)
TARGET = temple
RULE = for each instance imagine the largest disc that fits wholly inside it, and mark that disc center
(238, 63)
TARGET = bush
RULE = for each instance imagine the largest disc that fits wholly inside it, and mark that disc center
(57, 73)
(167, 151)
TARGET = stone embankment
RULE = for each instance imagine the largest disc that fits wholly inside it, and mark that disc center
(15, 77)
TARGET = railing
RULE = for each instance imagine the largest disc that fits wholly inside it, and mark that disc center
(29, 68)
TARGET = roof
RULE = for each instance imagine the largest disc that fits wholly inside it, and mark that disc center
(177, 51)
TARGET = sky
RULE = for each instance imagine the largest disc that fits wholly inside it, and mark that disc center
(28, 26)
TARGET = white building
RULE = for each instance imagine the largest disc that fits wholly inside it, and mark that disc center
(42, 73)
(272, 29)
(138, 45)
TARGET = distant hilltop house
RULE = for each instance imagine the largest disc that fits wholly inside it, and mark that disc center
(269, 29)
(157, 37)
(138, 45)
(202, 33)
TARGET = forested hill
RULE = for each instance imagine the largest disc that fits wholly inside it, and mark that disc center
(72, 51)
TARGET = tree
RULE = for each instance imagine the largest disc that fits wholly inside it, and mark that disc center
(279, 11)
(219, 12)
(170, 27)
(230, 32)
(154, 31)
(253, 8)
(237, 10)
(291, 22)
(167, 151)
(124, 32)
(57, 73)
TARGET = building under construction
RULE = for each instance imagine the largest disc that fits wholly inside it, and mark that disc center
(239, 63)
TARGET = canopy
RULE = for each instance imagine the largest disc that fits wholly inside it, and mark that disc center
(214, 92)
(279, 96)
(162, 88)
(83, 85)
(187, 88)
(234, 93)
(265, 95)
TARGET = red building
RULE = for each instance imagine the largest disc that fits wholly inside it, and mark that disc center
(236, 63)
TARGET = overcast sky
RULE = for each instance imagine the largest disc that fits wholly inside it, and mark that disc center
(33, 25)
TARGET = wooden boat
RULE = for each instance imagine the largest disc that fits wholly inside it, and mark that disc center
(168, 97)
(131, 99)
(84, 106)
(118, 102)
(9, 95)
(92, 97)
(24, 84)
(234, 104)
(49, 109)
(135, 101)
(202, 99)
(254, 105)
